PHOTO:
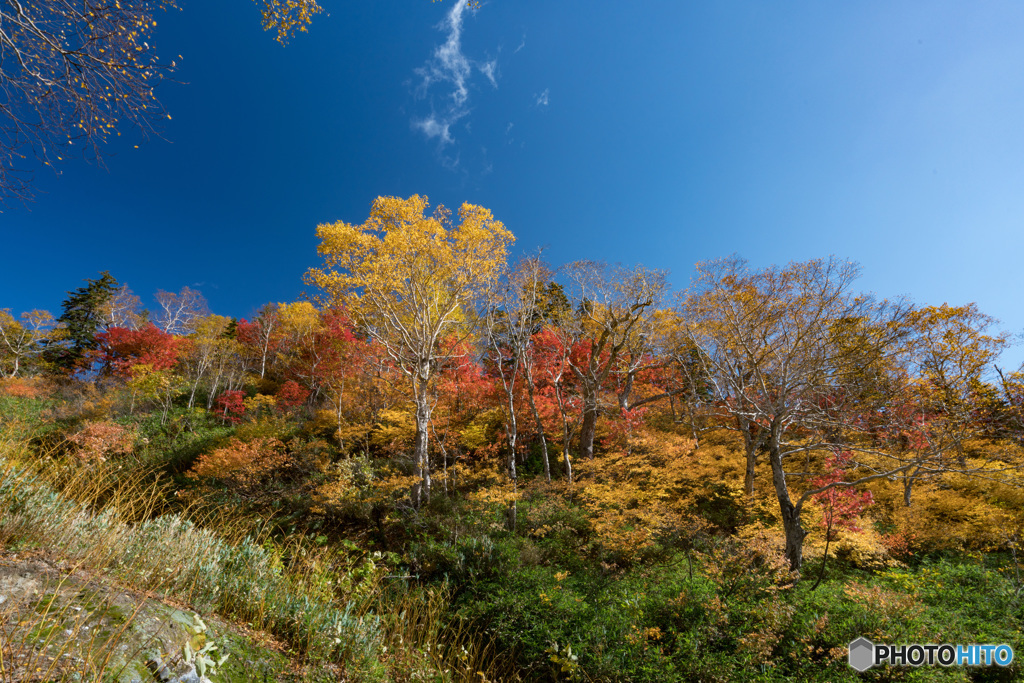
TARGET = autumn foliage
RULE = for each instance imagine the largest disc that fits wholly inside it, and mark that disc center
(243, 465)
(122, 349)
(98, 441)
(599, 473)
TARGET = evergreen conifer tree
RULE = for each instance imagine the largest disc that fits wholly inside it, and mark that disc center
(81, 320)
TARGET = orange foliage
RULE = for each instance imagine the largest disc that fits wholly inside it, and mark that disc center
(243, 464)
(900, 544)
(21, 387)
(98, 440)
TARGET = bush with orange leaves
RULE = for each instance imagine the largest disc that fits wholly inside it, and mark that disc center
(22, 387)
(97, 441)
(245, 466)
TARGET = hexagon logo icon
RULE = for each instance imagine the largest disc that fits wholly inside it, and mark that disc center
(862, 654)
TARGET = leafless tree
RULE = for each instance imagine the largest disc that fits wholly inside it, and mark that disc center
(124, 309)
(180, 313)
(509, 322)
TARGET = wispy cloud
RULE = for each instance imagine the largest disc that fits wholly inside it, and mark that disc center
(542, 98)
(433, 128)
(522, 44)
(488, 69)
(451, 69)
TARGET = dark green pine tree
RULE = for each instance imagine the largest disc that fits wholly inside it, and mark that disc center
(82, 319)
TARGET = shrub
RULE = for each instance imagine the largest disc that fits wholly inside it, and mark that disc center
(22, 387)
(97, 441)
(243, 465)
(291, 395)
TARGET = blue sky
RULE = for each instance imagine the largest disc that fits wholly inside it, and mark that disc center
(657, 132)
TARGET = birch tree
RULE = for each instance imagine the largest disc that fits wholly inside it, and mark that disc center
(180, 313)
(412, 279)
(21, 340)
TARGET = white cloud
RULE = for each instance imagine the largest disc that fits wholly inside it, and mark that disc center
(488, 69)
(433, 128)
(522, 44)
(451, 68)
(542, 99)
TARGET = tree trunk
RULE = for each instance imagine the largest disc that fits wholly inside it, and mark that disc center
(513, 434)
(540, 427)
(213, 390)
(627, 389)
(693, 422)
(565, 429)
(791, 522)
(908, 486)
(589, 427)
(748, 478)
(192, 396)
(751, 445)
(421, 489)
(750, 449)
(512, 474)
(513, 509)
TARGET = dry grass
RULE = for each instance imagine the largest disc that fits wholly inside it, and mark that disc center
(327, 606)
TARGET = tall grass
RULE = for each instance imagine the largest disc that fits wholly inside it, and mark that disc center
(173, 555)
(104, 519)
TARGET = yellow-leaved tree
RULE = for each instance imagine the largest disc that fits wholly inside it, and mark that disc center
(414, 281)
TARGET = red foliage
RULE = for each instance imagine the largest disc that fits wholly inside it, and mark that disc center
(900, 544)
(262, 339)
(231, 405)
(551, 367)
(842, 504)
(291, 394)
(463, 384)
(122, 349)
(328, 357)
(624, 424)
